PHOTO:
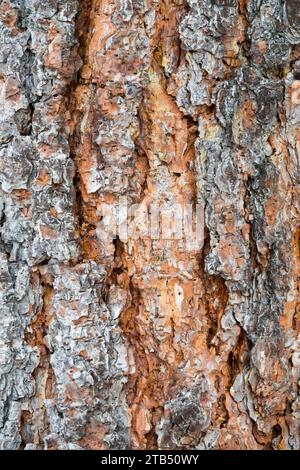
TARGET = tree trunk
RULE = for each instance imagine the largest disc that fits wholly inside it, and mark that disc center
(118, 335)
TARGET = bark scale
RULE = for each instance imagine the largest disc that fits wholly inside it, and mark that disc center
(113, 343)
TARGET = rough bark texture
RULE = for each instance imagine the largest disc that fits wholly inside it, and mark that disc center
(106, 344)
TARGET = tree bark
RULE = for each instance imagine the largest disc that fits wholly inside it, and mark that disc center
(116, 341)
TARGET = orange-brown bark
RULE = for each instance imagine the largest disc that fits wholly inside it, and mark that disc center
(118, 331)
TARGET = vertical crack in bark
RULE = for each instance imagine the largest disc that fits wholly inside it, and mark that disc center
(35, 424)
(83, 32)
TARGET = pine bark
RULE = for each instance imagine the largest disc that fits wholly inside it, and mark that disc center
(108, 343)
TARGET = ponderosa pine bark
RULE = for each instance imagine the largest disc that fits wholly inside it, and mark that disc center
(141, 343)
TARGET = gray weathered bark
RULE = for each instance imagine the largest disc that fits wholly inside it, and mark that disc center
(107, 342)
